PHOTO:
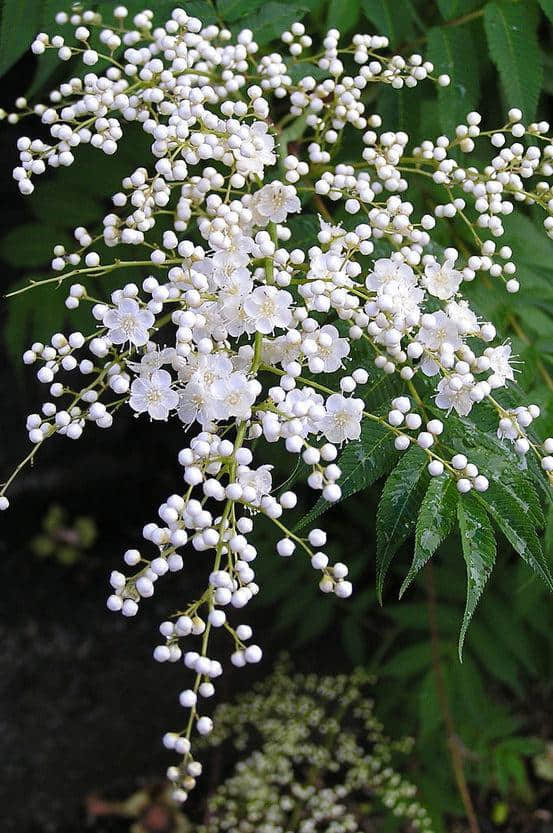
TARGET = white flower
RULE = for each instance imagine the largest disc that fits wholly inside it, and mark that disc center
(204, 370)
(442, 281)
(445, 331)
(232, 295)
(213, 325)
(404, 298)
(280, 351)
(333, 353)
(233, 396)
(234, 253)
(273, 203)
(463, 317)
(335, 233)
(499, 358)
(195, 404)
(153, 360)
(343, 418)
(154, 395)
(327, 265)
(128, 323)
(259, 479)
(255, 151)
(385, 269)
(508, 427)
(268, 307)
(242, 360)
(454, 392)
(309, 402)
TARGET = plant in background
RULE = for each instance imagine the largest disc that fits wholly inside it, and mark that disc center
(490, 710)
(234, 322)
(312, 756)
(304, 752)
(66, 542)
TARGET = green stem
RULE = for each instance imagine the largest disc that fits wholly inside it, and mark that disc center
(458, 21)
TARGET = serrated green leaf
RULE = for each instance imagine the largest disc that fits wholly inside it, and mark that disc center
(19, 21)
(497, 664)
(304, 229)
(429, 714)
(548, 535)
(452, 52)
(343, 14)
(434, 523)
(547, 8)
(384, 14)
(231, 10)
(30, 245)
(478, 544)
(397, 510)
(35, 315)
(513, 481)
(456, 8)
(362, 462)
(513, 44)
(409, 661)
(518, 528)
(497, 460)
(51, 200)
(400, 108)
(272, 19)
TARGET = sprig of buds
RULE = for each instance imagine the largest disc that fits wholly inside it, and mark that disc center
(232, 322)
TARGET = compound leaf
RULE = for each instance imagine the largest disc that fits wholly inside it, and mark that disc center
(513, 43)
(434, 523)
(362, 462)
(478, 544)
(397, 510)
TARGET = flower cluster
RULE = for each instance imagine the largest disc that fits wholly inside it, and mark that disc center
(312, 757)
(232, 320)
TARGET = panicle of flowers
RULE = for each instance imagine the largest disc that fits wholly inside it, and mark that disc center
(312, 754)
(230, 323)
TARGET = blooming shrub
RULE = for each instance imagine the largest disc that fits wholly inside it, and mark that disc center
(311, 756)
(293, 289)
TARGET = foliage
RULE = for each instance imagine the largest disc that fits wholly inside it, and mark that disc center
(512, 45)
(495, 694)
(62, 540)
(312, 753)
(490, 50)
(494, 52)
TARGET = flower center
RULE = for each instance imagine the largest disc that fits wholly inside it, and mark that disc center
(128, 324)
(154, 396)
(341, 419)
(267, 308)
